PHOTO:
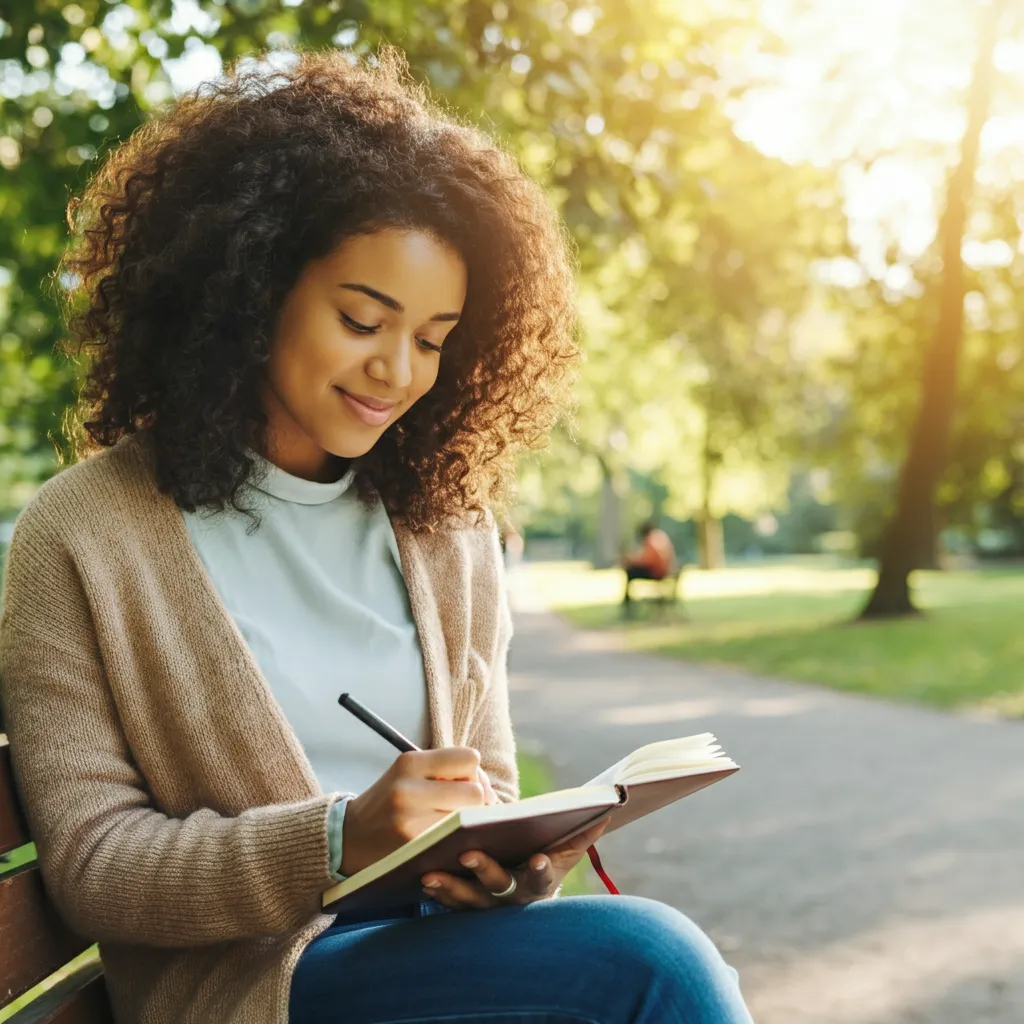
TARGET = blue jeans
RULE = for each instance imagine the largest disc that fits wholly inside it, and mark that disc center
(587, 959)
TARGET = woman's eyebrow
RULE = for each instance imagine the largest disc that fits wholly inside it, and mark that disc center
(386, 300)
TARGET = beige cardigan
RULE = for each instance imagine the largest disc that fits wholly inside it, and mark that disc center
(177, 819)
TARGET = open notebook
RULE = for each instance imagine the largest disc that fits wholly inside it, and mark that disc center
(643, 781)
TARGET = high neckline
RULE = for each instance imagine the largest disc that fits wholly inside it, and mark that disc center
(284, 485)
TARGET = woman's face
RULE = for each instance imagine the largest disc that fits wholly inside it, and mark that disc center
(356, 344)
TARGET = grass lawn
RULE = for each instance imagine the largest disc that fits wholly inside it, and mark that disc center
(793, 619)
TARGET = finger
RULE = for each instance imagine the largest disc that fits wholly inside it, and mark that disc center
(489, 873)
(438, 896)
(538, 877)
(571, 853)
(490, 796)
(442, 763)
(596, 830)
(462, 892)
(441, 893)
(438, 795)
(534, 881)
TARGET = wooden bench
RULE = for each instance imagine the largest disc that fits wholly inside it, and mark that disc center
(35, 944)
(663, 593)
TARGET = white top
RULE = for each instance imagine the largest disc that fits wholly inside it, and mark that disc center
(317, 592)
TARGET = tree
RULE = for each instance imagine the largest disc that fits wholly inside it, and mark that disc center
(724, 272)
(879, 365)
(887, 109)
(910, 536)
(583, 96)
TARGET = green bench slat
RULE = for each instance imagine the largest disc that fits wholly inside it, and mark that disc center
(80, 998)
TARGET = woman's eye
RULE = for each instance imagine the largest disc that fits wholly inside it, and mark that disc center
(355, 325)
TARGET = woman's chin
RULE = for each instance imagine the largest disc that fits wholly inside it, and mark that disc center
(355, 446)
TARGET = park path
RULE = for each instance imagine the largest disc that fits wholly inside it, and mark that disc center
(865, 867)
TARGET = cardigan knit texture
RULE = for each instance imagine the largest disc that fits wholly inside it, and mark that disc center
(176, 816)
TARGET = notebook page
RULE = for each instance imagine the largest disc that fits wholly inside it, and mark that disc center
(544, 803)
(665, 758)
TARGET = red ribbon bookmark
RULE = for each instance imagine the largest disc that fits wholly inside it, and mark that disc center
(595, 860)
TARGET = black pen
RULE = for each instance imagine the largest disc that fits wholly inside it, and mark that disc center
(376, 723)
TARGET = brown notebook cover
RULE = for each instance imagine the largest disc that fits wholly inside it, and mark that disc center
(508, 842)
(643, 798)
(511, 843)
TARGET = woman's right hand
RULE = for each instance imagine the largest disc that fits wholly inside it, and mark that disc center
(419, 788)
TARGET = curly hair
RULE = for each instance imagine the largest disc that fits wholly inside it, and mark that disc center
(188, 238)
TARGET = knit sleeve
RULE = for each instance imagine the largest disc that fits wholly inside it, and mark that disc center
(118, 869)
(491, 730)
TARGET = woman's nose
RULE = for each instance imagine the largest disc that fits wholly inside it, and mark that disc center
(392, 365)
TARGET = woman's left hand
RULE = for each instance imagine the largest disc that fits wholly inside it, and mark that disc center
(536, 880)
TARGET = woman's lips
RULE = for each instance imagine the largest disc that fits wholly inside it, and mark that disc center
(373, 415)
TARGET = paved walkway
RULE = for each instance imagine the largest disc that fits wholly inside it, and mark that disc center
(865, 867)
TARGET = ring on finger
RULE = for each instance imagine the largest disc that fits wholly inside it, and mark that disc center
(507, 892)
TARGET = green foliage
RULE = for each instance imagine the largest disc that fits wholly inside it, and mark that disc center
(699, 254)
(617, 108)
(890, 313)
(880, 374)
(692, 371)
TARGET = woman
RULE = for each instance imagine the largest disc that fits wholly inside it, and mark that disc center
(320, 317)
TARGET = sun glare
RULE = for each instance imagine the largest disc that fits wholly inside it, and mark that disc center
(883, 81)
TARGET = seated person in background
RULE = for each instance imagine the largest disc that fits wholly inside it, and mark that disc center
(655, 560)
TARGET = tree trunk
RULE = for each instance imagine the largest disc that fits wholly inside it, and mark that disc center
(910, 535)
(609, 531)
(710, 540)
(931, 557)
